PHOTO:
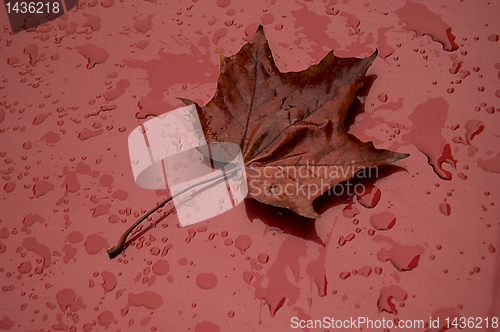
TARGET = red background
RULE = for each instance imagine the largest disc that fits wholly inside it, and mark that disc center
(71, 90)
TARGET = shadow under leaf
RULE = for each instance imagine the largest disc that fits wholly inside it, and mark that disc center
(289, 222)
(284, 220)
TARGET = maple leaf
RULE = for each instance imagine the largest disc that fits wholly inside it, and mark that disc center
(290, 126)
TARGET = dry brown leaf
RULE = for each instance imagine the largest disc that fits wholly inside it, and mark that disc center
(290, 126)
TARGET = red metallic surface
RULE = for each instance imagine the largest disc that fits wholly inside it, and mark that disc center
(422, 240)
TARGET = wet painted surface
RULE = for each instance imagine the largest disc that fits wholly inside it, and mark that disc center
(420, 242)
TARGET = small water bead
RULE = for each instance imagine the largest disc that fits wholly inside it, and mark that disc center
(263, 258)
(382, 97)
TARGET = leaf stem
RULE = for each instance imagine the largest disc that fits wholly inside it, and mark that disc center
(120, 245)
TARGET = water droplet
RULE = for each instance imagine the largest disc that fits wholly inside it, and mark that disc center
(206, 280)
(243, 242)
(223, 3)
(382, 97)
(263, 258)
(445, 209)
